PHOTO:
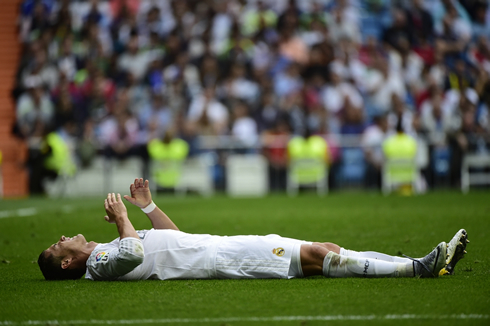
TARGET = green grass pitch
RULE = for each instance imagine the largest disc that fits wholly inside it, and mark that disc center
(393, 225)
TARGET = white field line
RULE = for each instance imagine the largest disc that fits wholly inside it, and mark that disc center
(246, 319)
(30, 211)
(21, 212)
(27, 211)
(5, 214)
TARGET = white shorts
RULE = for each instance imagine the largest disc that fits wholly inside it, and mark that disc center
(270, 256)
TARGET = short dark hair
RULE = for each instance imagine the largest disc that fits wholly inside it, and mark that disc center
(51, 268)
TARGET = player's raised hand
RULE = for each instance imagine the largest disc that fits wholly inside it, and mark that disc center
(140, 193)
(114, 207)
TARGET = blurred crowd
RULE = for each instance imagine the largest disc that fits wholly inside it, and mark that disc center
(108, 76)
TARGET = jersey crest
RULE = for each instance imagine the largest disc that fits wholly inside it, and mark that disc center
(279, 251)
(102, 257)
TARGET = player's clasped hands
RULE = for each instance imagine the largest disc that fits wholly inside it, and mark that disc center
(140, 193)
(114, 207)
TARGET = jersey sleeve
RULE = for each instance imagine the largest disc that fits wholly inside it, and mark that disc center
(109, 264)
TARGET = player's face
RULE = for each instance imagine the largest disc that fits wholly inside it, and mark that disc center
(67, 245)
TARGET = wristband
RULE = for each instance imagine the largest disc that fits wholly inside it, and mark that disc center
(150, 208)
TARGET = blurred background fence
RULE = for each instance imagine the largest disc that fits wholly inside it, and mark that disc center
(228, 165)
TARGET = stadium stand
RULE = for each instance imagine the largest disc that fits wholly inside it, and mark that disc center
(229, 77)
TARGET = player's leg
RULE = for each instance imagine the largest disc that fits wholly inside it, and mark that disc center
(456, 249)
(373, 255)
(312, 257)
(362, 254)
(318, 260)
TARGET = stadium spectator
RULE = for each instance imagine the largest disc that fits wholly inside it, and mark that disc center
(209, 73)
(167, 154)
(268, 112)
(438, 70)
(400, 111)
(209, 116)
(119, 132)
(220, 26)
(382, 83)
(420, 21)
(338, 91)
(243, 127)
(372, 144)
(134, 60)
(155, 118)
(402, 147)
(308, 160)
(41, 69)
(34, 19)
(97, 95)
(409, 64)
(480, 22)
(289, 81)
(35, 112)
(238, 86)
(258, 17)
(292, 105)
(292, 47)
(399, 30)
(343, 22)
(66, 111)
(184, 70)
(275, 140)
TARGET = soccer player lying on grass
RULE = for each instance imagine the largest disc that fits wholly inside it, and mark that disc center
(165, 253)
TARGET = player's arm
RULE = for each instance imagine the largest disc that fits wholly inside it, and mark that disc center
(130, 254)
(141, 197)
(118, 214)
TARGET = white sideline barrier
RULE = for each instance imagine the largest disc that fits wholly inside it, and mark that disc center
(111, 175)
(86, 182)
(469, 178)
(89, 181)
(196, 176)
(102, 176)
(122, 173)
(247, 175)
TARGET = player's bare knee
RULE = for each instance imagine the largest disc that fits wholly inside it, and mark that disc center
(312, 254)
(332, 247)
(312, 257)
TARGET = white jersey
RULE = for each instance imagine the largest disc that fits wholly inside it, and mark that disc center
(171, 254)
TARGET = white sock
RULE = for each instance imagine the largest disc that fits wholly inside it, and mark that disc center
(373, 255)
(335, 265)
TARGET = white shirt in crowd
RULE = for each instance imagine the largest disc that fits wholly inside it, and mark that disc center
(216, 112)
(383, 89)
(27, 113)
(136, 64)
(334, 97)
(372, 141)
(245, 129)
